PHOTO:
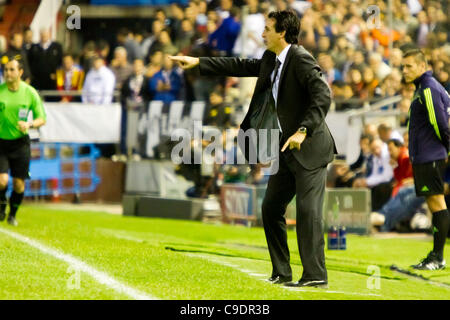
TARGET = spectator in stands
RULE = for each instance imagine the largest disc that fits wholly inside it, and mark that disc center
(222, 40)
(69, 77)
(250, 43)
(396, 58)
(176, 17)
(44, 58)
(134, 95)
(404, 202)
(380, 68)
(201, 16)
(406, 139)
(347, 174)
(155, 64)
(323, 45)
(120, 67)
(125, 39)
(330, 72)
(383, 35)
(185, 40)
(157, 27)
(99, 85)
(407, 90)
(371, 129)
(160, 15)
(370, 87)
(163, 43)
(27, 39)
(422, 30)
(399, 209)
(217, 113)
(386, 133)
(338, 53)
(3, 44)
(167, 84)
(224, 9)
(356, 82)
(379, 177)
(103, 49)
(402, 166)
(17, 52)
(88, 56)
(342, 92)
(403, 106)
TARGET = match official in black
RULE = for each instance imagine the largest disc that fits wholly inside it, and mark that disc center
(17, 99)
(298, 100)
(429, 141)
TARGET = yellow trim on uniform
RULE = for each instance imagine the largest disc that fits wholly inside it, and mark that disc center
(431, 114)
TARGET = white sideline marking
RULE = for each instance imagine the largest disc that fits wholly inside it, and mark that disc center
(263, 277)
(77, 264)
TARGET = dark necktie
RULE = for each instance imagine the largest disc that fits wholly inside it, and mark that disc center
(277, 66)
(272, 99)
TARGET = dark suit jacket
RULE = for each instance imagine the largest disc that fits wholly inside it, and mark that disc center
(303, 98)
(43, 63)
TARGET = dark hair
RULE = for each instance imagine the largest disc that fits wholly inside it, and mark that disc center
(13, 34)
(384, 127)
(366, 136)
(288, 21)
(19, 62)
(68, 54)
(418, 55)
(396, 142)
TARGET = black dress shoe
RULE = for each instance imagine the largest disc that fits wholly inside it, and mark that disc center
(279, 279)
(12, 221)
(308, 283)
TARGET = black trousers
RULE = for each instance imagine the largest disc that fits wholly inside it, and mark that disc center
(309, 187)
(380, 195)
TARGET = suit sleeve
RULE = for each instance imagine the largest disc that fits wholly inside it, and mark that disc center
(311, 78)
(231, 67)
(437, 114)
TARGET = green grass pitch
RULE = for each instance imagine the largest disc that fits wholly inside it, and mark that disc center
(173, 259)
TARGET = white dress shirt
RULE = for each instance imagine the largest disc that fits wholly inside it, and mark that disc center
(99, 86)
(282, 59)
(381, 170)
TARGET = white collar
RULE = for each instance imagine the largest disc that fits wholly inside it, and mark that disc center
(283, 54)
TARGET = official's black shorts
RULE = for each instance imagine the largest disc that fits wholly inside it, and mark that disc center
(429, 178)
(15, 155)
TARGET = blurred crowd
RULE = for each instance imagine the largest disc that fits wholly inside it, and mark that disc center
(350, 40)
(360, 55)
(383, 166)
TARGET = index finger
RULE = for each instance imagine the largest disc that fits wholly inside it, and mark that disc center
(285, 146)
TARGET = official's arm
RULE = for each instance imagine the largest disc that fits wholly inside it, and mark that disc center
(437, 114)
(310, 76)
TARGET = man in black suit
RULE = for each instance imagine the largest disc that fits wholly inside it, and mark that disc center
(44, 58)
(299, 100)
